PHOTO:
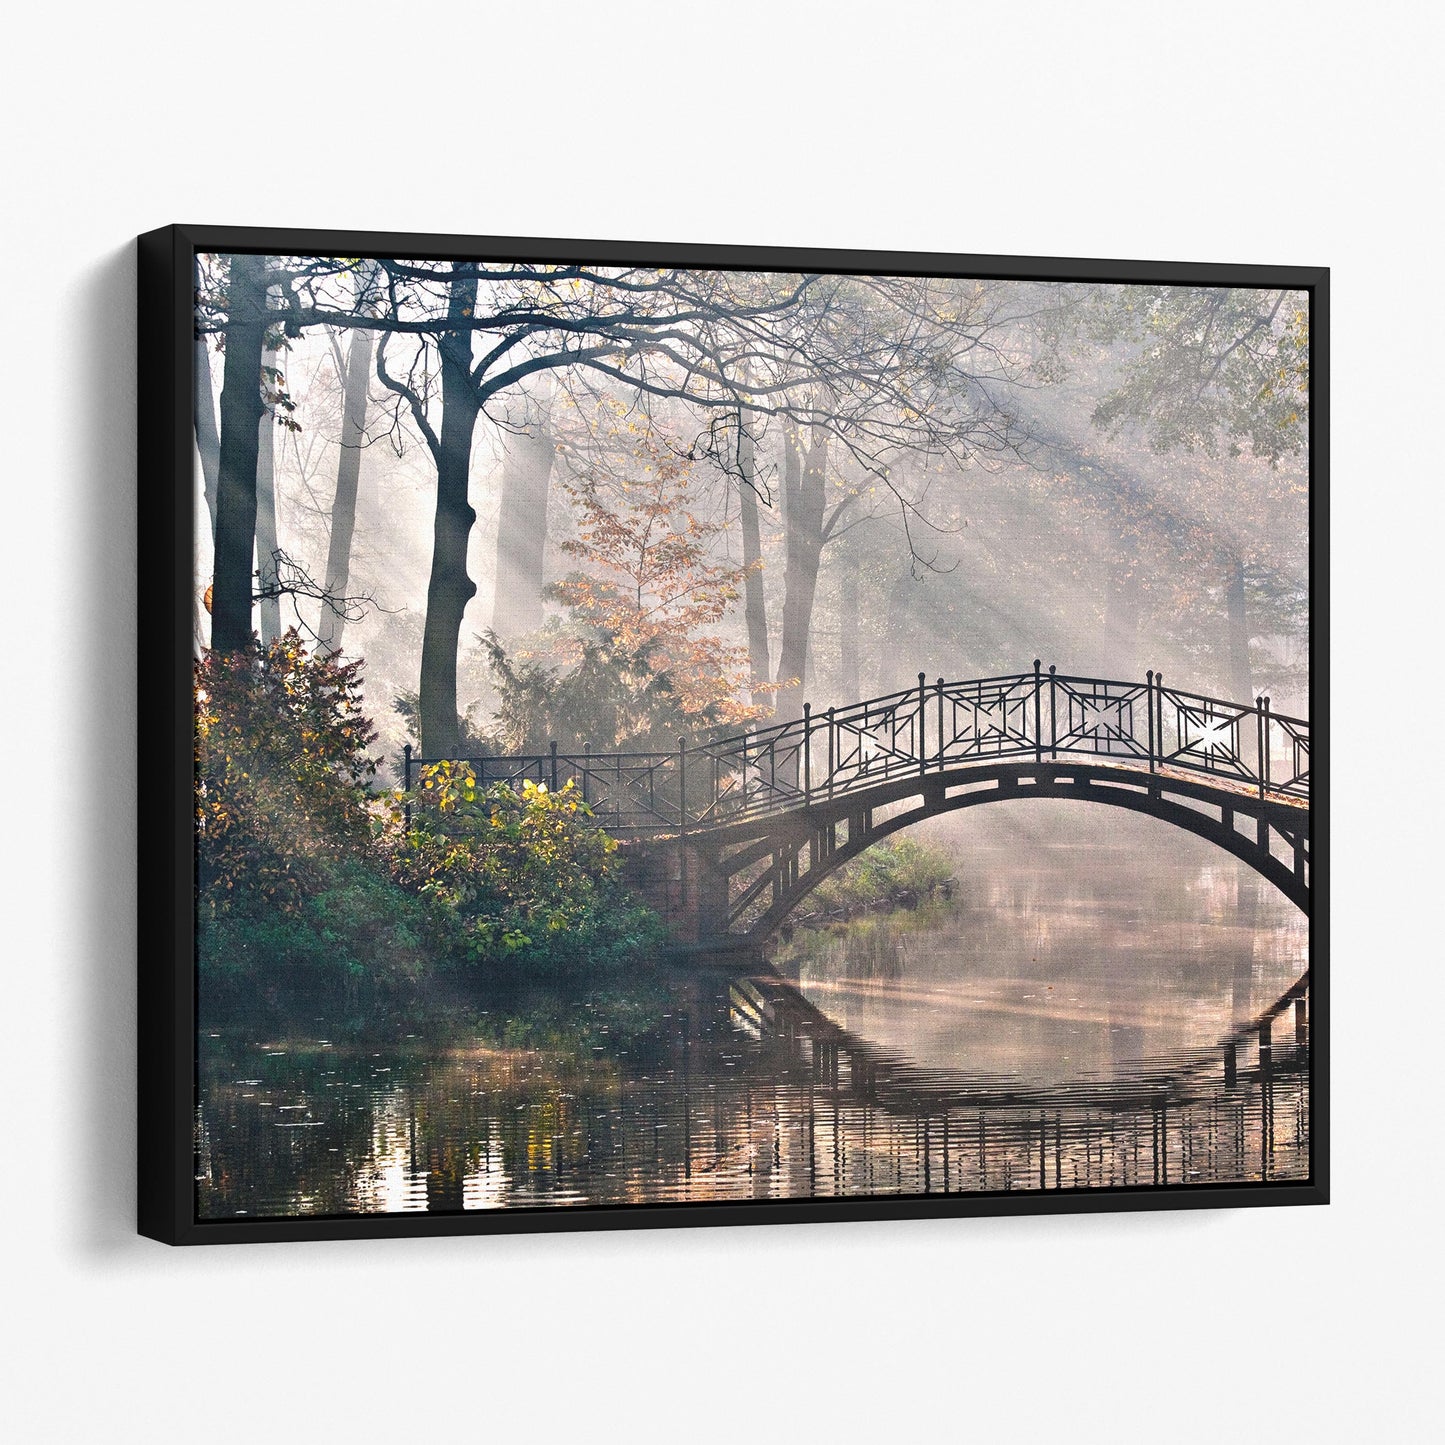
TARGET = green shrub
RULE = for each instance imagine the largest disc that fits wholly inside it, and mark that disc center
(898, 874)
(524, 877)
(306, 878)
(357, 931)
(282, 775)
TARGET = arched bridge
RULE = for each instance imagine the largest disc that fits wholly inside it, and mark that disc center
(727, 838)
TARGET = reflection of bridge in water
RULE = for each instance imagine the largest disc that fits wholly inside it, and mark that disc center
(1212, 1112)
(738, 1088)
(727, 838)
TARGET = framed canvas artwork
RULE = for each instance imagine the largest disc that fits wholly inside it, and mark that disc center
(662, 734)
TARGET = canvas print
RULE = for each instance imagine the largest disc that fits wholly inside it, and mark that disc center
(713, 734)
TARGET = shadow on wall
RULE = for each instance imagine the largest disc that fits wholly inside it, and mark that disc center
(101, 671)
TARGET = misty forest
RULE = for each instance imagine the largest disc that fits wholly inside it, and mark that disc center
(512, 579)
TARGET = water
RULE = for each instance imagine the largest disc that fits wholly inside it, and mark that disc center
(1083, 1012)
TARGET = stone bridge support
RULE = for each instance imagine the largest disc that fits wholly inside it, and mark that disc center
(682, 884)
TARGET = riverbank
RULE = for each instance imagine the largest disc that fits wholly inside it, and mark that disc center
(892, 876)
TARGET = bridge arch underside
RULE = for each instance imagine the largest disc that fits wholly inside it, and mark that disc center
(768, 868)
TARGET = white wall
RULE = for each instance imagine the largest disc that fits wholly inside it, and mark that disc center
(1243, 132)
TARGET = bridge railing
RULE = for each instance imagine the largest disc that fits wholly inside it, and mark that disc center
(1245, 745)
(626, 792)
(932, 727)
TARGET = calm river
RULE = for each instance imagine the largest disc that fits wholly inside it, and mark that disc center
(1100, 1002)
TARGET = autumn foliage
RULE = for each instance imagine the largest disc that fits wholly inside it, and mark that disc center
(641, 657)
(647, 577)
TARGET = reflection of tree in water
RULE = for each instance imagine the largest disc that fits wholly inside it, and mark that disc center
(394, 1131)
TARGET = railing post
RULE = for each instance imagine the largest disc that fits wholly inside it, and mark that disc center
(682, 787)
(922, 722)
(552, 748)
(1038, 711)
(832, 749)
(1261, 713)
(1149, 708)
(807, 753)
(586, 773)
(406, 786)
(1159, 716)
(939, 686)
(1053, 712)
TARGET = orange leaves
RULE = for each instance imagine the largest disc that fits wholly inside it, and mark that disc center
(647, 574)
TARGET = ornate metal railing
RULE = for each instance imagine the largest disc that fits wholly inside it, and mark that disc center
(933, 727)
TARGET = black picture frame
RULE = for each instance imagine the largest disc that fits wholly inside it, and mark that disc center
(166, 864)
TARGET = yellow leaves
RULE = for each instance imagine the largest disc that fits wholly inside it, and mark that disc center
(450, 783)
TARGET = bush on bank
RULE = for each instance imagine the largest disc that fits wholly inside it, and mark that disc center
(526, 877)
(892, 874)
(307, 877)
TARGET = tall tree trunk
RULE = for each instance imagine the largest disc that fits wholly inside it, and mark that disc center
(450, 588)
(348, 480)
(208, 441)
(241, 409)
(522, 524)
(804, 498)
(208, 449)
(266, 543)
(755, 602)
(1240, 682)
(850, 682)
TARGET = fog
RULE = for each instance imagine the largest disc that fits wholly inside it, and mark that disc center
(1121, 485)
